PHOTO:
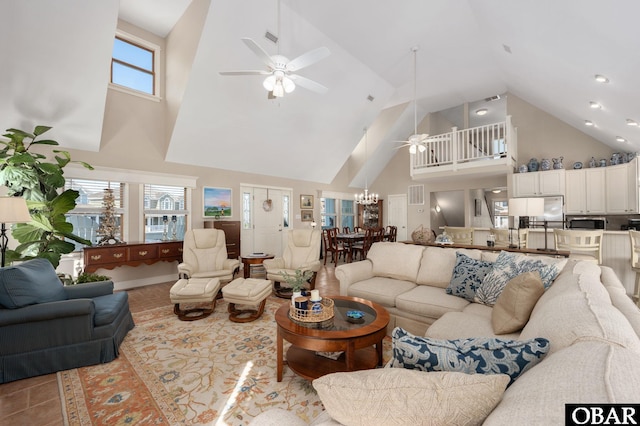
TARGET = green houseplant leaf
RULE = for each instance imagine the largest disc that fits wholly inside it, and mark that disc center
(39, 181)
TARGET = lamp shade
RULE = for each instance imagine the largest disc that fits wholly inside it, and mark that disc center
(526, 206)
(14, 210)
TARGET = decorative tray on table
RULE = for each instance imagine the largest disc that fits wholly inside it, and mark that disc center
(313, 318)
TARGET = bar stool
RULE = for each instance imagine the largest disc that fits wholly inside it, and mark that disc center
(460, 235)
(634, 236)
(582, 245)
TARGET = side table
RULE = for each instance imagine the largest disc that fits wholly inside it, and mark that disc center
(253, 259)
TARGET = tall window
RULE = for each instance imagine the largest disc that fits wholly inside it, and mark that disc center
(501, 214)
(165, 214)
(347, 214)
(285, 211)
(246, 210)
(328, 212)
(133, 65)
(85, 218)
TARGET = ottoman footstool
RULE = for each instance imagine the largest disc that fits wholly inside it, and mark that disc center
(246, 291)
(194, 290)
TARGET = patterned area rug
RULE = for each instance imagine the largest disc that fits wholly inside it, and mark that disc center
(172, 372)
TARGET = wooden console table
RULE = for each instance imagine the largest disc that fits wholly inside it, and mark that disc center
(132, 254)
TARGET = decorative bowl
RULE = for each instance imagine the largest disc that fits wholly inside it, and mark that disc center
(355, 314)
(577, 165)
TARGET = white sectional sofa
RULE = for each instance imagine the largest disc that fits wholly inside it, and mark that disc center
(592, 326)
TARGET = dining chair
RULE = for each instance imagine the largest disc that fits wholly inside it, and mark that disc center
(460, 235)
(362, 247)
(346, 230)
(582, 244)
(337, 247)
(391, 233)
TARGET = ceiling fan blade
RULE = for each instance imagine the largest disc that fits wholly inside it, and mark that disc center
(259, 51)
(247, 72)
(306, 59)
(308, 84)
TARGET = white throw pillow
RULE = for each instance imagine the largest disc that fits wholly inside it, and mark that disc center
(395, 396)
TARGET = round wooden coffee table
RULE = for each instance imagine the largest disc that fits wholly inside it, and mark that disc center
(355, 340)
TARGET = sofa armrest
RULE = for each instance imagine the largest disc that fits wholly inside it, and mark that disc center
(351, 273)
(276, 263)
(231, 264)
(185, 270)
(89, 290)
(47, 311)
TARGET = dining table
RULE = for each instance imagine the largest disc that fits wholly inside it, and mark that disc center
(348, 239)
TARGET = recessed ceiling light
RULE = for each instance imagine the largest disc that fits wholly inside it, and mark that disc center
(601, 78)
(595, 105)
(482, 111)
(588, 123)
(620, 139)
(631, 122)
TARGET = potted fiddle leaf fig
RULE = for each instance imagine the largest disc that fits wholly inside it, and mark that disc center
(40, 181)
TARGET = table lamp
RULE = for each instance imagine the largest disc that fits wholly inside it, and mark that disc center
(528, 207)
(12, 210)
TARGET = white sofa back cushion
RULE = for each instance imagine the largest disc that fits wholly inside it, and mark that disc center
(577, 308)
(584, 372)
(436, 266)
(395, 260)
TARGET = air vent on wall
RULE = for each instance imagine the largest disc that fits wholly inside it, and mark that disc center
(492, 98)
(416, 195)
(271, 37)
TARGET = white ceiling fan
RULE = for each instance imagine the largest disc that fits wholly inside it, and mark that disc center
(280, 70)
(416, 141)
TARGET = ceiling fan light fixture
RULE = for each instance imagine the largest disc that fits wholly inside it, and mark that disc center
(422, 148)
(269, 83)
(278, 90)
(413, 149)
(288, 84)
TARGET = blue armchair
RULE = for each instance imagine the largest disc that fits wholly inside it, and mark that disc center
(47, 327)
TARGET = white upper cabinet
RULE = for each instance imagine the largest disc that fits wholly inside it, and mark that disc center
(622, 188)
(539, 184)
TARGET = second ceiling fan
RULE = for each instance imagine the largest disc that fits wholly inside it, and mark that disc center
(280, 70)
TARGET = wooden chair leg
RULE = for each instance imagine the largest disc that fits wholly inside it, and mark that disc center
(245, 315)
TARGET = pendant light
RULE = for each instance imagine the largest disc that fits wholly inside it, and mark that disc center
(365, 198)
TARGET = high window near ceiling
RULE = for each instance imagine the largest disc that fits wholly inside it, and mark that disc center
(134, 65)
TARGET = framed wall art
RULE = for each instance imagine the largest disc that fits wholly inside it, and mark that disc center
(307, 215)
(306, 201)
(216, 202)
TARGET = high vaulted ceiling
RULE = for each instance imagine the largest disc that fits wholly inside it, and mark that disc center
(545, 52)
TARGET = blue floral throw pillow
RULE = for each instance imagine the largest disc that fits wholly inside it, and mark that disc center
(508, 266)
(467, 277)
(482, 355)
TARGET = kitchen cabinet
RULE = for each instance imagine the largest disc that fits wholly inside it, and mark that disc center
(622, 188)
(585, 191)
(538, 184)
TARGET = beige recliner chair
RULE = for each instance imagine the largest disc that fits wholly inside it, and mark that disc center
(302, 252)
(204, 255)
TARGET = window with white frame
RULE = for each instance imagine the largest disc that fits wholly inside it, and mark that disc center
(134, 64)
(165, 213)
(347, 214)
(501, 214)
(328, 213)
(247, 223)
(285, 211)
(86, 216)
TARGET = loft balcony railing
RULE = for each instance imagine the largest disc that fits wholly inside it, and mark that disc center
(488, 149)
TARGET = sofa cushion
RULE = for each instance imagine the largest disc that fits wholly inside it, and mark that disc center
(513, 307)
(28, 283)
(474, 355)
(509, 265)
(395, 260)
(587, 372)
(380, 290)
(577, 308)
(392, 396)
(464, 325)
(432, 302)
(467, 276)
(436, 266)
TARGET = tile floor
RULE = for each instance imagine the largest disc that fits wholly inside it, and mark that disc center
(36, 401)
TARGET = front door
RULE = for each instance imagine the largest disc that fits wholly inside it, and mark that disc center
(268, 221)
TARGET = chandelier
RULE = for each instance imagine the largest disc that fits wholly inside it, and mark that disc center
(365, 198)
